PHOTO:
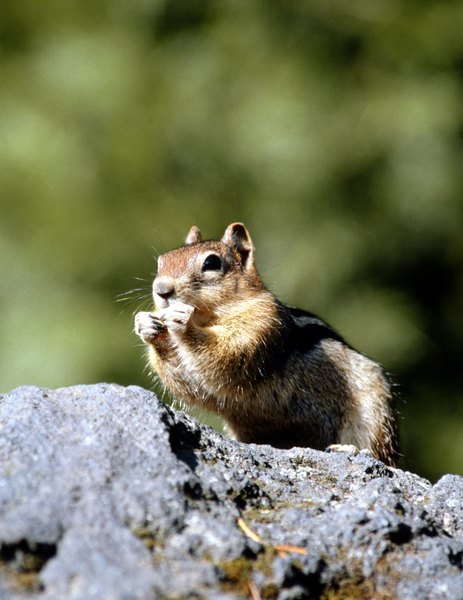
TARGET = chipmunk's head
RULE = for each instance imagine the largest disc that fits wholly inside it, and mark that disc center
(210, 274)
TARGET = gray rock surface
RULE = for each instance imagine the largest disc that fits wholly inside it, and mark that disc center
(106, 493)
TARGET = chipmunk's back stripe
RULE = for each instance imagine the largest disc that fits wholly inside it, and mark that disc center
(309, 330)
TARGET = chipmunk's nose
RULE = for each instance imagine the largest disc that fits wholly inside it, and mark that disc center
(164, 287)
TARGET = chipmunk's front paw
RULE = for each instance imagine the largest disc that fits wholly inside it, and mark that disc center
(148, 327)
(176, 316)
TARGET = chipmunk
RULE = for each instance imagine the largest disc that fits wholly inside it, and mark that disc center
(278, 375)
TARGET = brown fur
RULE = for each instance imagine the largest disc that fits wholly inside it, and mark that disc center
(218, 339)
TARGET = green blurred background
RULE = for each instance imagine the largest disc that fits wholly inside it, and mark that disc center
(334, 130)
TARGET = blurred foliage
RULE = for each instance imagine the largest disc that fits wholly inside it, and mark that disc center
(334, 130)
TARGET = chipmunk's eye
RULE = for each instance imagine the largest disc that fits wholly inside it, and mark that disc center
(212, 263)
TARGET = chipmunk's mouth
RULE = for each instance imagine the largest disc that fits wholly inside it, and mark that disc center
(160, 303)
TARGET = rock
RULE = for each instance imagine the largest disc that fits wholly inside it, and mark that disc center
(106, 493)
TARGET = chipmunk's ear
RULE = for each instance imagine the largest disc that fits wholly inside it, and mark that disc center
(194, 236)
(236, 235)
